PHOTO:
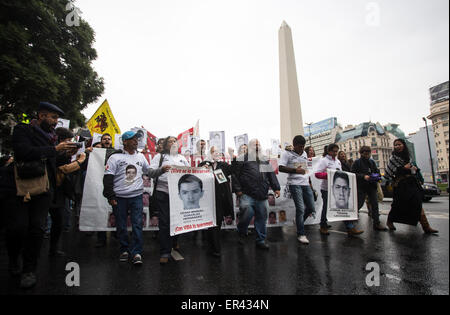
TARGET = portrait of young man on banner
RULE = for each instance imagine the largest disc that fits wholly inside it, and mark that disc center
(342, 195)
(191, 199)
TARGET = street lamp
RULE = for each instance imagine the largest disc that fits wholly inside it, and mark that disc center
(309, 127)
(429, 150)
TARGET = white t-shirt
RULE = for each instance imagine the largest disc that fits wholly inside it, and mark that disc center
(168, 159)
(292, 159)
(127, 170)
(325, 163)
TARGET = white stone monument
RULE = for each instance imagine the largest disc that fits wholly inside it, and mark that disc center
(291, 121)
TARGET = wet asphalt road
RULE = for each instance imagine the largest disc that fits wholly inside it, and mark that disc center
(410, 263)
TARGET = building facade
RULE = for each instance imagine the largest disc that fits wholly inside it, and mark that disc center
(322, 133)
(368, 134)
(422, 152)
(439, 115)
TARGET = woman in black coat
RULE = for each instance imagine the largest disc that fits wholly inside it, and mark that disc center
(224, 199)
(406, 205)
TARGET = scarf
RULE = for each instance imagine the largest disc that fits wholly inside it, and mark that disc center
(50, 136)
(395, 162)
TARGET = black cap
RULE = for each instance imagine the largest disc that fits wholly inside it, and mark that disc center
(50, 108)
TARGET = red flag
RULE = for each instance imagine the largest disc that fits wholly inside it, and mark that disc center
(183, 138)
(151, 145)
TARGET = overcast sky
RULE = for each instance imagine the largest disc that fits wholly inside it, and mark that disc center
(168, 63)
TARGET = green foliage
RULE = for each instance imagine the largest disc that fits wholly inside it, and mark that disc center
(44, 59)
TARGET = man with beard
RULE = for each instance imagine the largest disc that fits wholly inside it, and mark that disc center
(33, 143)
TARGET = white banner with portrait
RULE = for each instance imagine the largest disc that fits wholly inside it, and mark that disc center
(342, 196)
(192, 199)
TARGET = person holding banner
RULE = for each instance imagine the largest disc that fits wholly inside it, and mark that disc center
(295, 163)
(330, 161)
(124, 188)
(253, 178)
(169, 157)
(224, 198)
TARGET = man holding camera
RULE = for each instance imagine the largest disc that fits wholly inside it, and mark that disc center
(35, 152)
(367, 175)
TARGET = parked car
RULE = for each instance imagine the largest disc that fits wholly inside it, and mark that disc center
(430, 190)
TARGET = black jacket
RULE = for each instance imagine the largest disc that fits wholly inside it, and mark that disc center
(224, 197)
(362, 167)
(30, 144)
(254, 178)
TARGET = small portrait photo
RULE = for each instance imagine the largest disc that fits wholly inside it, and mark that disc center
(190, 191)
(130, 174)
(341, 192)
(146, 199)
(146, 180)
(282, 216)
(272, 217)
(228, 220)
(271, 199)
(220, 176)
(111, 220)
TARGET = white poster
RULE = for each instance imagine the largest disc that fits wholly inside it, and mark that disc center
(95, 209)
(65, 123)
(342, 196)
(97, 137)
(240, 140)
(192, 199)
(118, 144)
(217, 140)
(141, 134)
(275, 147)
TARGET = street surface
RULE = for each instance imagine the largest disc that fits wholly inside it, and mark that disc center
(410, 263)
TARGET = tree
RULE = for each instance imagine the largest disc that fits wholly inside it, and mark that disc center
(42, 58)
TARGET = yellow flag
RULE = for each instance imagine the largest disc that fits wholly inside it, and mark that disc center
(103, 122)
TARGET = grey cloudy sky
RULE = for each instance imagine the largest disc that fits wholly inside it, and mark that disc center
(167, 63)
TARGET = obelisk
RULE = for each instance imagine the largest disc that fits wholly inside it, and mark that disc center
(291, 121)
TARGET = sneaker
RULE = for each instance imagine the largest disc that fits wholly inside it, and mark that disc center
(28, 280)
(262, 245)
(354, 231)
(124, 257)
(302, 239)
(137, 260)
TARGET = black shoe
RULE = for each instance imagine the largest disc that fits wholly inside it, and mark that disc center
(56, 253)
(242, 238)
(262, 245)
(100, 244)
(14, 267)
(28, 280)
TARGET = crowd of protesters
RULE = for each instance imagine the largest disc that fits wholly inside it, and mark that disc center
(45, 179)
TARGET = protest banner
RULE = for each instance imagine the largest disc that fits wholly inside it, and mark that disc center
(217, 140)
(239, 141)
(191, 199)
(96, 213)
(342, 196)
(103, 121)
(65, 123)
(94, 207)
(141, 135)
(183, 139)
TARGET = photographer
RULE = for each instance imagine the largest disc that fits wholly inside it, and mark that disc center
(367, 175)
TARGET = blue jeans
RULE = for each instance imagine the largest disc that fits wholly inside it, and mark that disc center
(323, 219)
(303, 197)
(134, 206)
(250, 207)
